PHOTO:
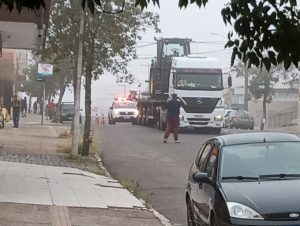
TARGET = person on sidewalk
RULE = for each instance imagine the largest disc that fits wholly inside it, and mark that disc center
(24, 107)
(97, 119)
(16, 106)
(173, 108)
(35, 107)
(51, 109)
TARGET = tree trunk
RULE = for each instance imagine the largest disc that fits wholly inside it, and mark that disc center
(58, 107)
(87, 124)
(74, 85)
(264, 119)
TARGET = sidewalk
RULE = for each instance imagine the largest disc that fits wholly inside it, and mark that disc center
(38, 186)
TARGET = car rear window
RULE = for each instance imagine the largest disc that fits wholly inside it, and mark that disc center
(67, 106)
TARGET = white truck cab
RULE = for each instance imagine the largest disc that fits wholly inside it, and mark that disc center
(198, 80)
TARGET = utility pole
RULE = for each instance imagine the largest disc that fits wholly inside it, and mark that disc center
(75, 134)
(43, 101)
(246, 92)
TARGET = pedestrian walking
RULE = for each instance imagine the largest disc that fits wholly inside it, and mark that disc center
(173, 108)
(16, 106)
(35, 107)
(103, 119)
(51, 109)
(24, 107)
(97, 120)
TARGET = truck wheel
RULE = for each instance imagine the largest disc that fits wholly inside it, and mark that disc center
(135, 122)
(216, 130)
(159, 122)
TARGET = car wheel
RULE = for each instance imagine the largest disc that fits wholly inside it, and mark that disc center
(190, 215)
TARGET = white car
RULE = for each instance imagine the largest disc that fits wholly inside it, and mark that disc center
(123, 111)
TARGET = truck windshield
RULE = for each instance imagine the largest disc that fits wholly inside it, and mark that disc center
(173, 49)
(197, 81)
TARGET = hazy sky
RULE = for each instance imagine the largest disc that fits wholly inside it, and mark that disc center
(198, 24)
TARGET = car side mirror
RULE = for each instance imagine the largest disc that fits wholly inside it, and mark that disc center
(229, 81)
(110, 108)
(201, 177)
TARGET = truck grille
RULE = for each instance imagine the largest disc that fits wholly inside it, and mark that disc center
(200, 105)
(126, 113)
(198, 121)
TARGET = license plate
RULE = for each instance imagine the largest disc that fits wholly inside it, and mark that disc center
(126, 117)
(198, 116)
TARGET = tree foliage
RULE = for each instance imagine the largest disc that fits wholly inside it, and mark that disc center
(266, 32)
(262, 82)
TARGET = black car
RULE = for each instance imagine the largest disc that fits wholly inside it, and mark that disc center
(245, 179)
(66, 111)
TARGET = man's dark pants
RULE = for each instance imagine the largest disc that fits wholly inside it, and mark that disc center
(172, 126)
(16, 117)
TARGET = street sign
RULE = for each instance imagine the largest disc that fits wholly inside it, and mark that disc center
(45, 70)
(39, 78)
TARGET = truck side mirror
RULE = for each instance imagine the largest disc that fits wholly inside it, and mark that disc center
(229, 81)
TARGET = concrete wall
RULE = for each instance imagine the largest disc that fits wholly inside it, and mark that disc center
(275, 107)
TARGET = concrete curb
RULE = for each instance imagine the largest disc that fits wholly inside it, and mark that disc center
(162, 218)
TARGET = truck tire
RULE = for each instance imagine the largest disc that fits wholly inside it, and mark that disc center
(135, 122)
(216, 130)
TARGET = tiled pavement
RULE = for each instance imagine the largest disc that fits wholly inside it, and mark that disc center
(39, 187)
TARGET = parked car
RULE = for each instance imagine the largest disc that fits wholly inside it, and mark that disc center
(241, 119)
(122, 110)
(245, 179)
(67, 111)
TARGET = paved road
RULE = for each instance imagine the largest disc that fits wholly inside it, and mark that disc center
(137, 153)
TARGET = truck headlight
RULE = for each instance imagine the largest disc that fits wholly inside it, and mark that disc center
(181, 117)
(219, 118)
(116, 112)
(136, 112)
(237, 210)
